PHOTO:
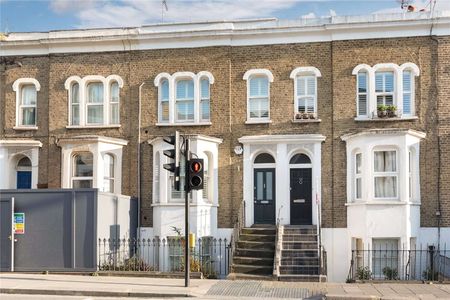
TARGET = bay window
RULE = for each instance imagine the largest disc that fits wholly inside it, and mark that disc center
(108, 173)
(385, 174)
(358, 176)
(83, 167)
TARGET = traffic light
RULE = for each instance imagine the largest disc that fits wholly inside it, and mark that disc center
(195, 171)
(174, 154)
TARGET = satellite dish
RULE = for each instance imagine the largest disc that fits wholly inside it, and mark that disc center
(405, 4)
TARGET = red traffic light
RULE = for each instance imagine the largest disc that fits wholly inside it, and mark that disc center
(196, 167)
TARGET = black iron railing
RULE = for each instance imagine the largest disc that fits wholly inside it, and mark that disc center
(424, 263)
(209, 255)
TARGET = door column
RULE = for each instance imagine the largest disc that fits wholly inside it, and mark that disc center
(282, 208)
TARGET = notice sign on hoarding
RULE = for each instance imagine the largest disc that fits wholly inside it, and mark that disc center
(19, 223)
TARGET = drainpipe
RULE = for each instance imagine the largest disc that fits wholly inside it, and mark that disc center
(139, 161)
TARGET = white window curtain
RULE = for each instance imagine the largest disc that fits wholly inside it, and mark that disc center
(358, 177)
(108, 173)
(184, 102)
(82, 174)
(28, 105)
(384, 88)
(407, 93)
(114, 104)
(306, 94)
(362, 93)
(164, 101)
(259, 98)
(204, 100)
(385, 174)
(75, 104)
(95, 103)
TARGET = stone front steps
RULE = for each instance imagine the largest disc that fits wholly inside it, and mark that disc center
(299, 256)
(253, 257)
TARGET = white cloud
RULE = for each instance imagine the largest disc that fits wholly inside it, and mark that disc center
(63, 6)
(120, 13)
(441, 5)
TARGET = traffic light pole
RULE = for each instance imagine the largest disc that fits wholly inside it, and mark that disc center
(187, 263)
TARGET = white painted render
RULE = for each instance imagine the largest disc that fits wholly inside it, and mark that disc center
(11, 151)
(98, 146)
(282, 148)
(226, 33)
(168, 212)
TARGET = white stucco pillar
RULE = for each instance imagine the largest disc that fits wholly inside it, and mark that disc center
(282, 201)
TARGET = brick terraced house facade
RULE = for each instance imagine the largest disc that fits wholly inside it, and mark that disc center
(284, 114)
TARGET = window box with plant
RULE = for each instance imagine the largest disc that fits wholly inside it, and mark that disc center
(305, 116)
(386, 111)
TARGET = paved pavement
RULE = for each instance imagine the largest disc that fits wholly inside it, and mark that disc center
(36, 286)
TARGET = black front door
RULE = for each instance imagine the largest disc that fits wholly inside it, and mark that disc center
(264, 196)
(301, 196)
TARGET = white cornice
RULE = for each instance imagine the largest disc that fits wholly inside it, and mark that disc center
(385, 131)
(20, 143)
(199, 137)
(225, 33)
(89, 139)
(289, 139)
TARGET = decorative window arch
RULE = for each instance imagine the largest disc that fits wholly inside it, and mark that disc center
(300, 158)
(258, 95)
(305, 91)
(94, 100)
(26, 102)
(184, 98)
(385, 84)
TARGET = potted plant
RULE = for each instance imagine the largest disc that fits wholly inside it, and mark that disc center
(391, 111)
(298, 116)
(381, 111)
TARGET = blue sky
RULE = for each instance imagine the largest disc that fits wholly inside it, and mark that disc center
(45, 15)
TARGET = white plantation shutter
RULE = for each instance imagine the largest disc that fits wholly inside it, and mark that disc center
(362, 94)
(75, 104)
(407, 92)
(185, 100)
(164, 101)
(259, 97)
(306, 94)
(384, 88)
(204, 100)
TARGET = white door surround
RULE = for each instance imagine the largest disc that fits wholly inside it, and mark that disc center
(282, 148)
(11, 151)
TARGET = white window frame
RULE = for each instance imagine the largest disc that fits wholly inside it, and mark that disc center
(395, 174)
(358, 93)
(113, 103)
(205, 98)
(184, 100)
(385, 93)
(73, 169)
(17, 88)
(173, 79)
(93, 104)
(160, 101)
(254, 73)
(398, 88)
(83, 100)
(305, 72)
(107, 177)
(357, 176)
